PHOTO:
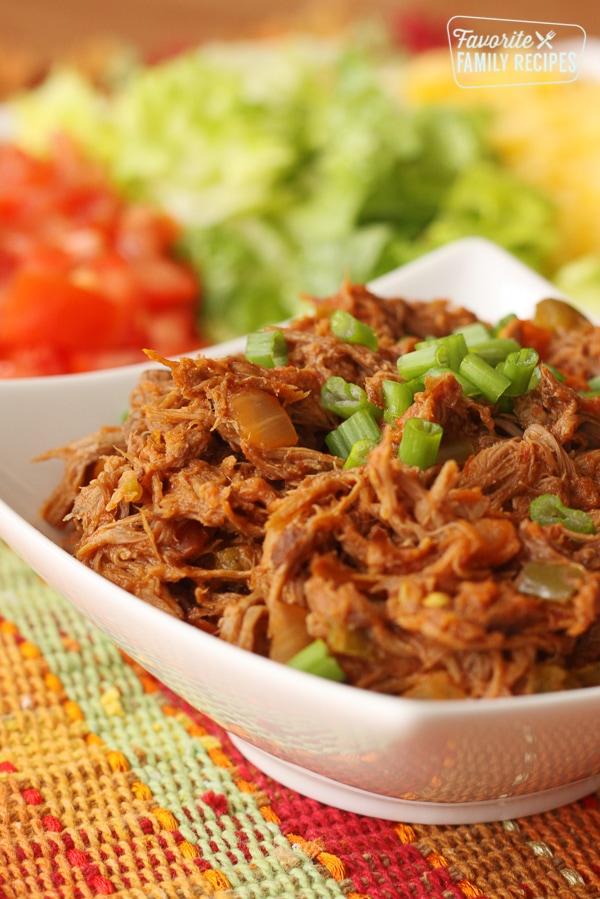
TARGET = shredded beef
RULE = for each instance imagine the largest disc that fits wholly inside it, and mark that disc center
(415, 578)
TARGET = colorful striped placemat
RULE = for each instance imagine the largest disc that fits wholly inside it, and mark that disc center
(110, 785)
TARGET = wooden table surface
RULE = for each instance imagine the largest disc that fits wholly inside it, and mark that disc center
(35, 33)
(58, 25)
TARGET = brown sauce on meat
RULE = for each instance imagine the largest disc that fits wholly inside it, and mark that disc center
(411, 576)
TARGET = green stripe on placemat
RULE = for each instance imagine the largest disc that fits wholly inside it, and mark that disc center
(112, 785)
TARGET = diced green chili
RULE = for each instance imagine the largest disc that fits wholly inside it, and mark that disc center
(344, 398)
(420, 442)
(491, 383)
(267, 348)
(549, 509)
(352, 330)
(316, 659)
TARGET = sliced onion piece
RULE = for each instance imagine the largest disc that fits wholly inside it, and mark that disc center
(261, 420)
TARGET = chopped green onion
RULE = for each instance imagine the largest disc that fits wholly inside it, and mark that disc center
(518, 368)
(475, 332)
(536, 377)
(427, 341)
(556, 581)
(505, 404)
(417, 385)
(457, 349)
(316, 659)
(359, 426)
(496, 349)
(418, 362)
(398, 397)
(337, 444)
(447, 350)
(267, 348)
(352, 330)
(556, 373)
(420, 442)
(593, 387)
(548, 509)
(359, 452)
(491, 383)
(344, 398)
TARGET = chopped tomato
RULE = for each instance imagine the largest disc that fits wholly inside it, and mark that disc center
(67, 316)
(165, 283)
(86, 360)
(87, 279)
(29, 362)
(170, 329)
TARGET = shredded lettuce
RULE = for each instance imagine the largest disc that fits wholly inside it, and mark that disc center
(291, 166)
(580, 280)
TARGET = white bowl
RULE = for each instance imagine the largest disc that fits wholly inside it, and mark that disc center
(422, 761)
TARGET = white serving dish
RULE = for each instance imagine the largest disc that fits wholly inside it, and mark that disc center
(419, 761)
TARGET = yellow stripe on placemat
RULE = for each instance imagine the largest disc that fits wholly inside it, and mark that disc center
(122, 792)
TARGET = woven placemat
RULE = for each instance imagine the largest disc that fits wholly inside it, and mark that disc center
(110, 785)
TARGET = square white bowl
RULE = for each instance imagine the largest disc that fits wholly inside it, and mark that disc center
(423, 761)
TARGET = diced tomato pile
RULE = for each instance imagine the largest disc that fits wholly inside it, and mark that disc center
(87, 279)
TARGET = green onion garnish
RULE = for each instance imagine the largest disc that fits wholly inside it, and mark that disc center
(558, 375)
(398, 397)
(418, 362)
(518, 368)
(352, 330)
(473, 333)
(359, 452)
(337, 444)
(496, 349)
(548, 509)
(267, 348)
(490, 383)
(593, 387)
(361, 425)
(421, 344)
(420, 442)
(316, 659)
(344, 398)
(456, 345)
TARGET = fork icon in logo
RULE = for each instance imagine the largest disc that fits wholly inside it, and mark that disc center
(545, 41)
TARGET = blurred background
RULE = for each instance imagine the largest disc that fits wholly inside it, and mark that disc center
(35, 31)
(177, 172)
